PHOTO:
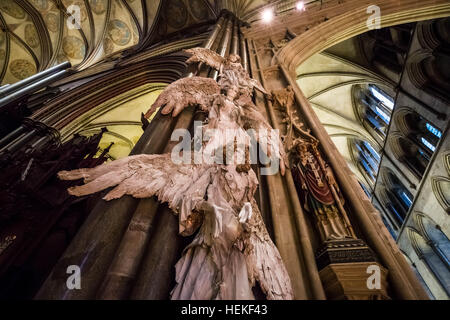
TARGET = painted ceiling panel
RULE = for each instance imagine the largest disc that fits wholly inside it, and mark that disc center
(21, 63)
(52, 18)
(121, 30)
(20, 42)
(27, 31)
(73, 47)
(135, 6)
(51, 35)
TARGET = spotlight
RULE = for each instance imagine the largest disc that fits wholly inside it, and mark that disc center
(300, 6)
(267, 15)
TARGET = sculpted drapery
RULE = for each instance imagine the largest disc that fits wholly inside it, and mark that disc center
(314, 179)
(232, 249)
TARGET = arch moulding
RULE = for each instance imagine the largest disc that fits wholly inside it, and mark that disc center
(352, 21)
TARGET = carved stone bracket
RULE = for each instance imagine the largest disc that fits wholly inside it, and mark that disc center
(344, 251)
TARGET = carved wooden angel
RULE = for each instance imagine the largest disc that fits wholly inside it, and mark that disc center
(232, 249)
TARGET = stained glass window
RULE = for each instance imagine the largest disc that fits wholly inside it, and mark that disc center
(382, 97)
(428, 144)
(434, 130)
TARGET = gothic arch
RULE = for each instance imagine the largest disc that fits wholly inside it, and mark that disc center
(394, 218)
(123, 133)
(425, 72)
(425, 67)
(446, 159)
(85, 121)
(414, 125)
(353, 22)
(396, 198)
(409, 153)
(416, 140)
(434, 235)
(441, 189)
(373, 115)
(425, 253)
(365, 156)
(417, 273)
(391, 221)
(432, 34)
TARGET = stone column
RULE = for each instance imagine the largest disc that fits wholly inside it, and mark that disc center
(294, 246)
(116, 233)
(166, 245)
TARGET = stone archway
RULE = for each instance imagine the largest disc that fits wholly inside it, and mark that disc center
(346, 20)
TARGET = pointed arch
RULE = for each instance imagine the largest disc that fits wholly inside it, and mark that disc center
(441, 189)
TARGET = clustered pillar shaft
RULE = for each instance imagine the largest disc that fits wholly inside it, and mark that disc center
(127, 248)
(157, 272)
(224, 45)
(290, 229)
(243, 51)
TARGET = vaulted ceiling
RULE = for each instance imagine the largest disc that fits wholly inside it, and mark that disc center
(37, 34)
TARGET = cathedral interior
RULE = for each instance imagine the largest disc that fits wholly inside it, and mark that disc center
(359, 90)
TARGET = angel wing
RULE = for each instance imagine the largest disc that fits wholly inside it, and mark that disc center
(207, 56)
(264, 263)
(270, 143)
(183, 186)
(184, 93)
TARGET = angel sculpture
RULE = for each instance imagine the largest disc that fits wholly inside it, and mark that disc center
(232, 249)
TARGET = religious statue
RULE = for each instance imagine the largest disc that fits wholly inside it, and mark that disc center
(232, 249)
(314, 179)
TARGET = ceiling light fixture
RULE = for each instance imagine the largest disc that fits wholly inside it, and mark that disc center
(300, 6)
(267, 15)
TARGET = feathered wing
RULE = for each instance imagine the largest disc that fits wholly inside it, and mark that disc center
(207, 56)
(264, 263)
(183, 186)
(270, 143)
(183, 93)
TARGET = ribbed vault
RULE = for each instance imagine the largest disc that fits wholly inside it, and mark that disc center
(37, 34)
